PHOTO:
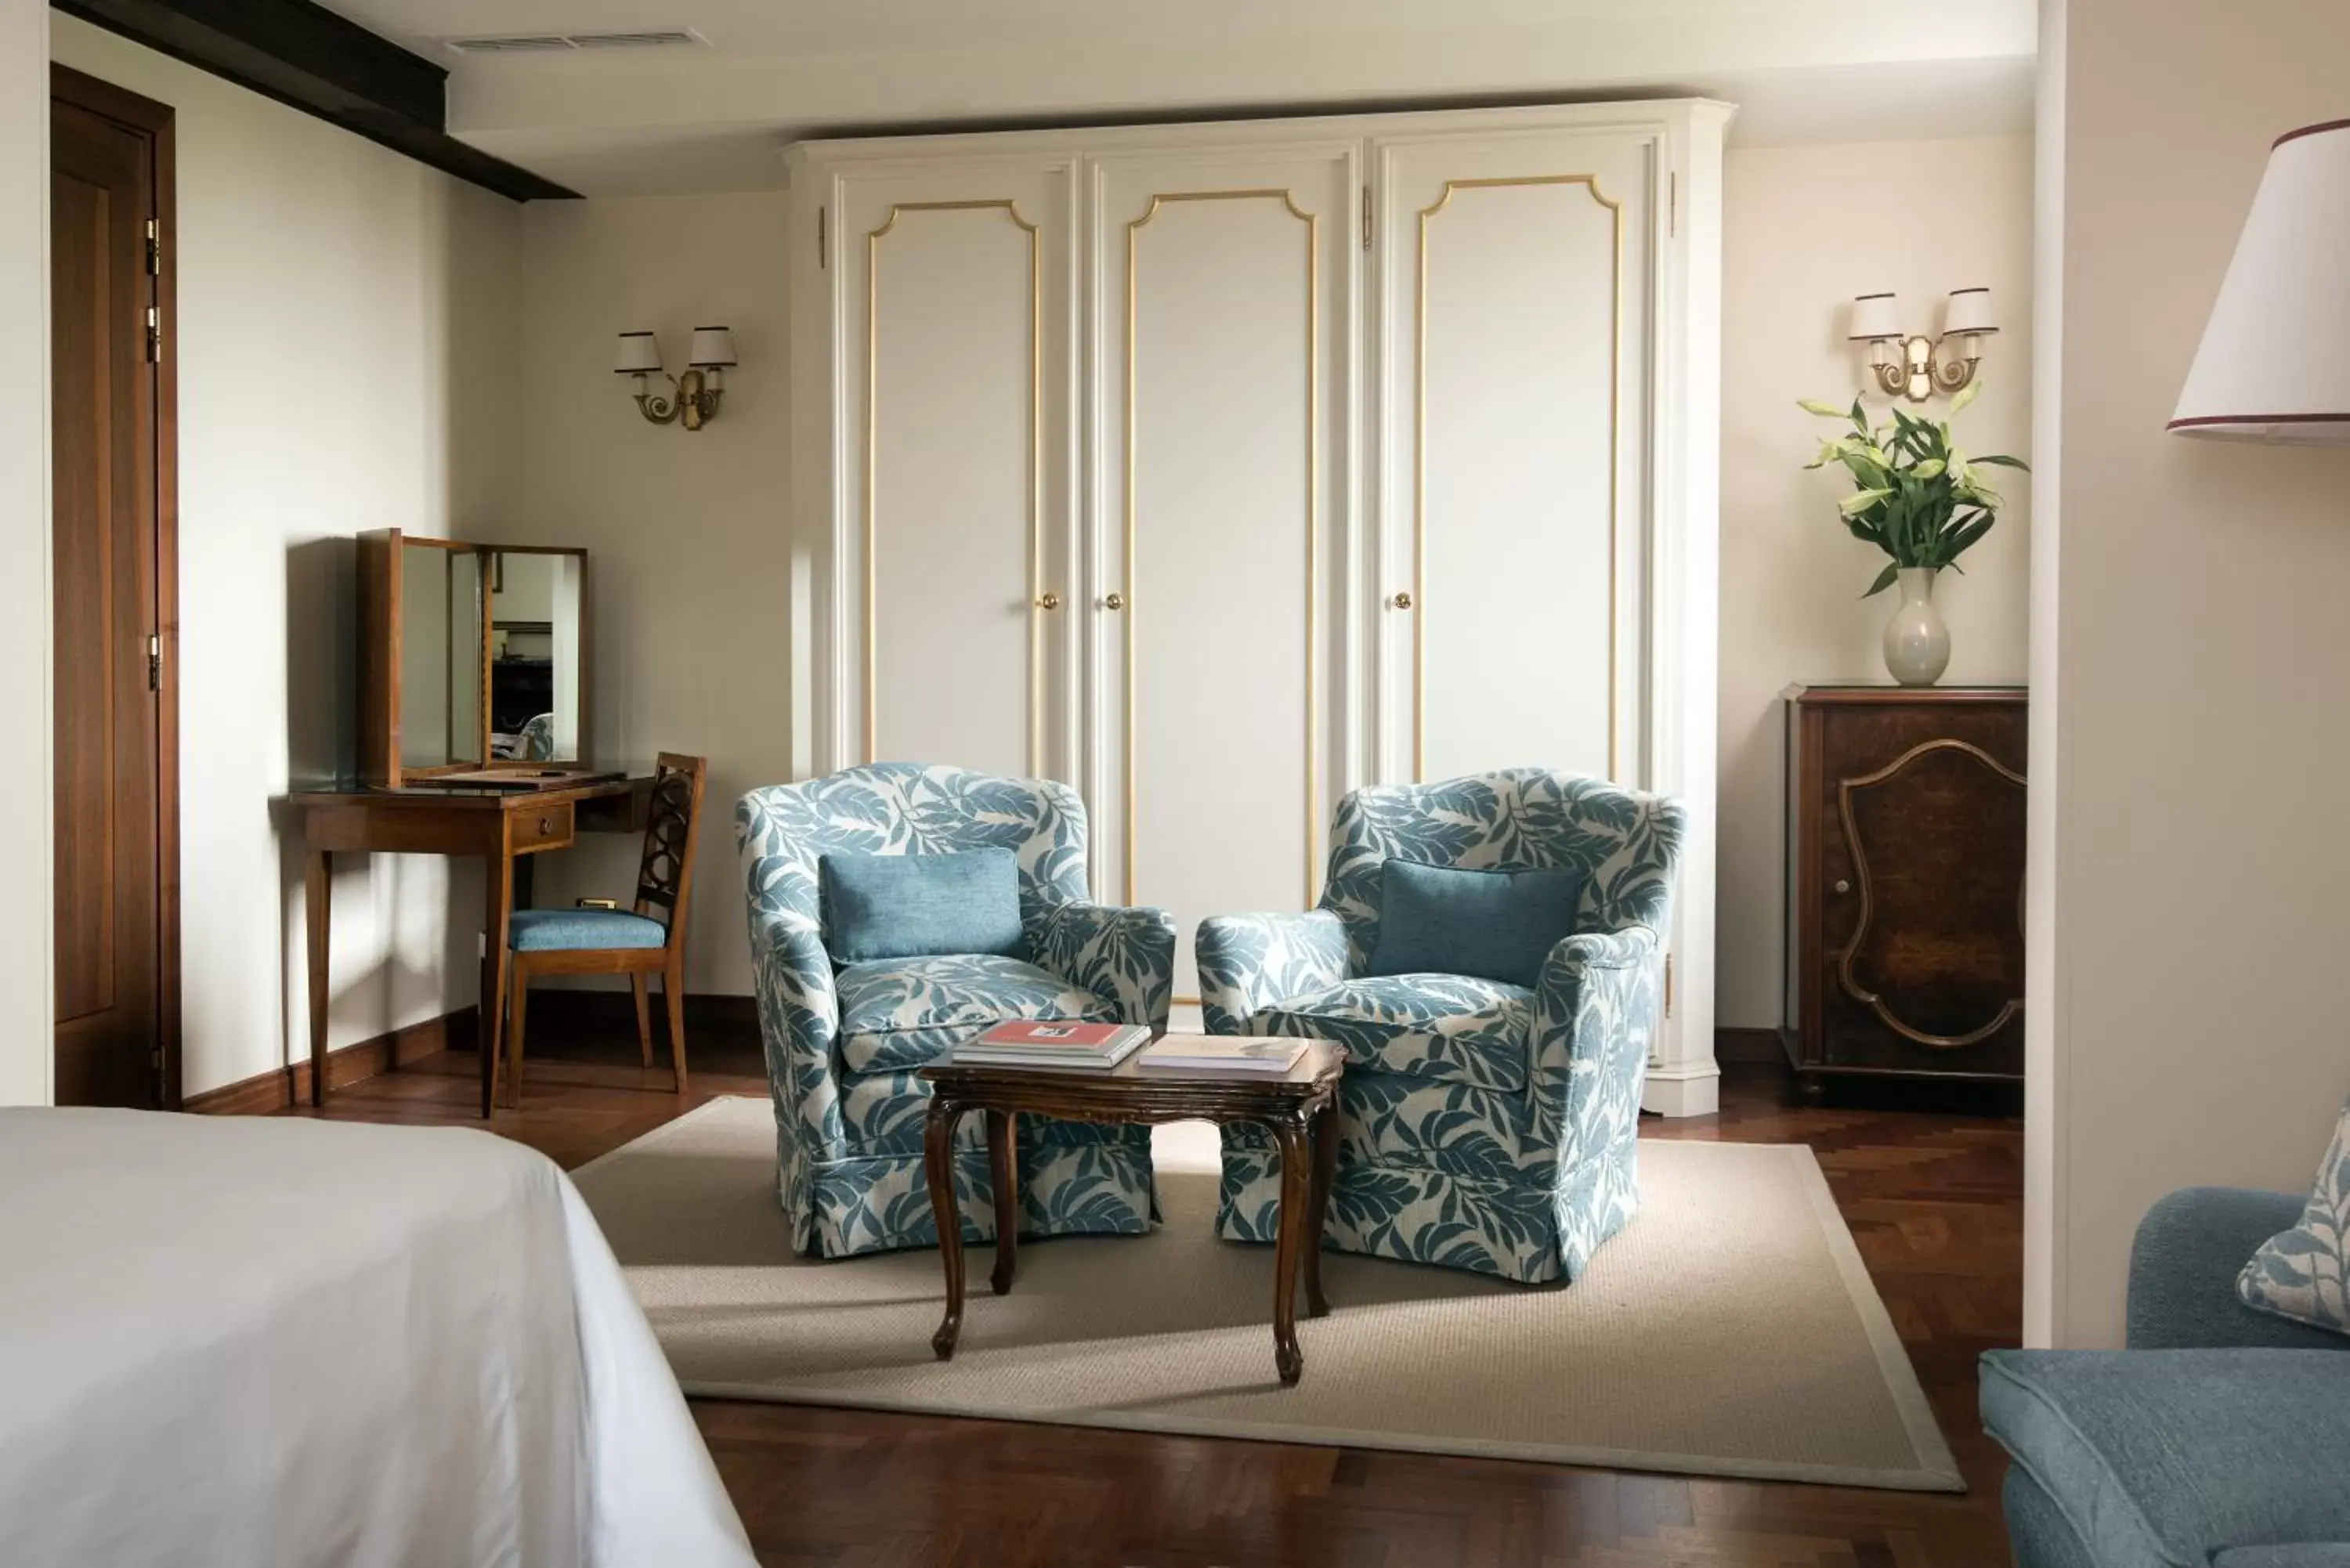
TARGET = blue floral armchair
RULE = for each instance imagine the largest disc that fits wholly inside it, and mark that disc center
(844, 1043)
(1482, 1124)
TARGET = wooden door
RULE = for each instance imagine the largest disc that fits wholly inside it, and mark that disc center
(953, 289)
(1515, 283)
(112, 994)
(1225, 282)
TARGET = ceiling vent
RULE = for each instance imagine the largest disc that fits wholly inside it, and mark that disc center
(559, 43)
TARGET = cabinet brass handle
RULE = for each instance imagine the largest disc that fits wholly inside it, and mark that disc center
(1048, 600)
(1400, 601)
(547, 825)
(1842, 886)
(1115, 601)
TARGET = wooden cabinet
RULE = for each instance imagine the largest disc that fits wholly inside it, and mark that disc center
(1905, 882)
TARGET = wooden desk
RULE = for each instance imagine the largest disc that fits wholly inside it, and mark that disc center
(503, 827)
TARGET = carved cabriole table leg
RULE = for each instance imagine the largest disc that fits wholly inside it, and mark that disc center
(1290, 1132)
(1004, 1175)
(938, 1167)
(1325, 1171)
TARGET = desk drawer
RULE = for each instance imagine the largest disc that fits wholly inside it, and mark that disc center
(539, 826)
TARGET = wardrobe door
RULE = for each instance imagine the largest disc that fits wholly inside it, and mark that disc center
(1224, 285)
(952, 310)
(1514, 309)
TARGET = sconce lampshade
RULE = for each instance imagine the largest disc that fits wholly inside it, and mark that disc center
(639, 355)
(1970, 314)
(1876, 316)
(2274, 365)
(713, 346)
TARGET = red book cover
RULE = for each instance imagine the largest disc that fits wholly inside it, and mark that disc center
(1049, 1033)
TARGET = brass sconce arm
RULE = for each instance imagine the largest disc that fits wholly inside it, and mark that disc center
(1923, 368)
(691, 399)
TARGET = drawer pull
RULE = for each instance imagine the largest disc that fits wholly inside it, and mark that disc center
(545, 825)
(1843, 885)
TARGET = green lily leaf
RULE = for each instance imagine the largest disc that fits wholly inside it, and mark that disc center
(2007, 463)
(1826, 411)
(1967, 394)
(1885, 579)
(1861, 501)
(1931, 469)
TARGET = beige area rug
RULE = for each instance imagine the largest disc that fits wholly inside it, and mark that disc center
(1730, 1330)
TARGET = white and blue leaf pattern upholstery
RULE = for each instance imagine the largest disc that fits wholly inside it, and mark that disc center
(1459, 1145)
(2304, 1273)
(842, 1047)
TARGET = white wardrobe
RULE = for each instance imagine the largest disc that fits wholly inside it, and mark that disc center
(1220, 468)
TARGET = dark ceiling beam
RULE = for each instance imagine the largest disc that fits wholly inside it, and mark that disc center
(304, 55)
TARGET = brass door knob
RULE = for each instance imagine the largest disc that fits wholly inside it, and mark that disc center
(1842, 886)
(1115, 601)
(1400, 601)
(1048, 600)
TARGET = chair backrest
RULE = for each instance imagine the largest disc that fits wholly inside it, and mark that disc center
(1626, 844)
(672, 827)
(911, 808)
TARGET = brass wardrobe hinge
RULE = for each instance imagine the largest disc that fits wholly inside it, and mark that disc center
(155, 248)
(1366, 217)
(821, 261)
(155, 663)
(154, 336)
(1673, 205)
(1668, 985)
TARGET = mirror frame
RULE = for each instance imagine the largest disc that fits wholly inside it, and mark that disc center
(381, 592)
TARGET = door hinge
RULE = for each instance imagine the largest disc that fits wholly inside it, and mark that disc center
(821, 260)
(1673, 205)
(155, 248)
(1668, 985)
(155, 663)
(1366, 217)
(154, 336)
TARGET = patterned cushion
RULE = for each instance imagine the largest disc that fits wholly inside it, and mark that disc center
(2302, 1273)
(568, 930)
(898, 1013)
(1448, 1028)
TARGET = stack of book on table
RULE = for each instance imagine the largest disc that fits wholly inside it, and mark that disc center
(1052, 1043)
(1264, 1053)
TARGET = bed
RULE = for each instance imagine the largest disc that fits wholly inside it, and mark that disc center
(277, 1341)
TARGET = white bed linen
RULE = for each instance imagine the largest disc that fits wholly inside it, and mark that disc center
(272, 1341)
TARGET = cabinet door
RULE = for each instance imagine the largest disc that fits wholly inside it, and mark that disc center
(1515, 281)
(953, 309)
(1224, 303)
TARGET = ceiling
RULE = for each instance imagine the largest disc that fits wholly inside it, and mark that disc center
(713, 116)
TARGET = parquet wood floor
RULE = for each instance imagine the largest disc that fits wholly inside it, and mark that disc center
(1932, 1191)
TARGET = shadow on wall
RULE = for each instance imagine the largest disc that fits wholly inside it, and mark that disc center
(322, 752)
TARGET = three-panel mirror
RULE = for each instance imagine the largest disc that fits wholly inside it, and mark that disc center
(471, 657)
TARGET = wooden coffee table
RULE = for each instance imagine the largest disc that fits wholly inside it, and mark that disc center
(1300, 1106)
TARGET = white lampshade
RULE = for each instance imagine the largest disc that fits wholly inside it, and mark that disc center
(2275, 360)
(1970, 314)
(1876, 316)
(639, 355)
(713, 346)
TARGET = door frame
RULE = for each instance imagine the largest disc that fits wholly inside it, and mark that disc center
(154, 122)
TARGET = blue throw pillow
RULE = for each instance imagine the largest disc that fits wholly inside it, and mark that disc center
(2304, 1273)
(1495, 925)
(919, 906)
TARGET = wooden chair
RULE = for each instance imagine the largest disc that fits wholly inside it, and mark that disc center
(607, 940)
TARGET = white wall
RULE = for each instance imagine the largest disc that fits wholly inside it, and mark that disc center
(1806, 229)
(346, 350)
(2193, 866)
(687, 532)
(26, 1050)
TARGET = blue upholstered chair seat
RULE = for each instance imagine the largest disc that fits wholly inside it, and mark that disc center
(904, 1013)
(2158, 1458)
(568, 930)
(1447, 1028)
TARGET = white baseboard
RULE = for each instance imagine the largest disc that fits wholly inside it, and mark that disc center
(1688, 1089)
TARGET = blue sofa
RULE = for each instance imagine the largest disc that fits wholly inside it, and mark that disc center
(2221, 1436)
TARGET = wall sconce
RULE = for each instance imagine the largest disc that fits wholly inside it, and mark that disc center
(2270, 366)
(693, 397)
(1918, 368)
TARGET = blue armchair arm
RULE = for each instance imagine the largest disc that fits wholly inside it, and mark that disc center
(1126, 956)
(1595, 1011)
(1248, 962)
(2183, 1266)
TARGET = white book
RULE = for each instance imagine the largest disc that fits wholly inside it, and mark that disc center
(1227, 1053)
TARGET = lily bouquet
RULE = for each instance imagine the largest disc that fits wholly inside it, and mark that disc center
(1917, 496)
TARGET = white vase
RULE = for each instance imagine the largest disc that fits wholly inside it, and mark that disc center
(1916, 642)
